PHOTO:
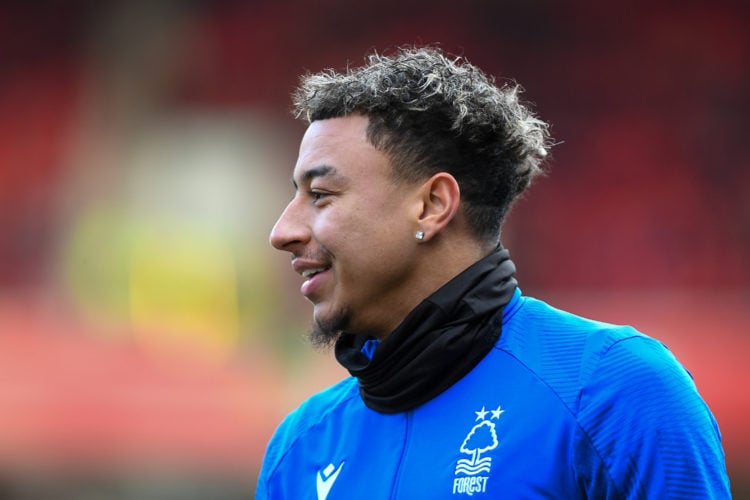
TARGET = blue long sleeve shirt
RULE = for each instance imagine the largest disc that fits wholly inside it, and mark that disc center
(562, 407)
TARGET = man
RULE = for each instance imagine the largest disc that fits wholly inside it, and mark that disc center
(461, 387)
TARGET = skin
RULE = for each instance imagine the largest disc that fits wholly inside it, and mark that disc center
(352, 221)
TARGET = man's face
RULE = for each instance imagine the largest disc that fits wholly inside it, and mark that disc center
(350, 229)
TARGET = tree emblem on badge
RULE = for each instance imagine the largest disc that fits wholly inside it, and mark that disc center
(480, 439)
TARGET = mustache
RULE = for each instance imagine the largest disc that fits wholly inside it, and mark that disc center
(319, 254)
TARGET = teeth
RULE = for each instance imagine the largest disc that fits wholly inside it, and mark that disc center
(309, 272)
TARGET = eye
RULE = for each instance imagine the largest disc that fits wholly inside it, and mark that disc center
(317, 196)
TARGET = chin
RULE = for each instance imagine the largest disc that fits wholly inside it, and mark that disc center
(327, 328)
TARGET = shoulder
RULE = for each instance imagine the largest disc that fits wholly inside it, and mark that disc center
(307, 419)
(526, 312)
(643, 428)
(559, 348)
(642, 415)
(584, 360)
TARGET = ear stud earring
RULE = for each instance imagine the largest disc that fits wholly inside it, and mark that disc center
(419, 235)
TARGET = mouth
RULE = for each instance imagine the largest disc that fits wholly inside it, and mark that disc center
(313, 286)
(313, 270)
(309, 273)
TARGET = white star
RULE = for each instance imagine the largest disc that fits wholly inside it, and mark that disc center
(496, 413)
(481, 414)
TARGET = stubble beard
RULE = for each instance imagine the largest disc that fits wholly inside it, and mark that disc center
(325, 332)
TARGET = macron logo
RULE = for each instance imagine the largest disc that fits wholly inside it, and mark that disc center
(326, 478)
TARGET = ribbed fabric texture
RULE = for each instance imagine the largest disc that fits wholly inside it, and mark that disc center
(632, 399)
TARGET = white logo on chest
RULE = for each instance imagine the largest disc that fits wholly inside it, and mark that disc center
(472, 473)
(326, 478)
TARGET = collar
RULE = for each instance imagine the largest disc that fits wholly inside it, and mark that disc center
(438, 342)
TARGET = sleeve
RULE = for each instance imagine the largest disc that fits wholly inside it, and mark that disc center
(269, 460)
(268, 485)
(644, 430)
(261, 492)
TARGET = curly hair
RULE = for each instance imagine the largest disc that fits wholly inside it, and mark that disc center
(433, 113)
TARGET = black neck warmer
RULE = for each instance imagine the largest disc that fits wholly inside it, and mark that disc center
(437, 343)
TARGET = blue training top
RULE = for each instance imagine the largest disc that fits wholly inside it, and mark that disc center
(562, 407)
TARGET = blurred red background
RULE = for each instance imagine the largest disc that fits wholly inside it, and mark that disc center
(150, 340)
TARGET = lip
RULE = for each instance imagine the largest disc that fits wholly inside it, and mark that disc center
(313, 283)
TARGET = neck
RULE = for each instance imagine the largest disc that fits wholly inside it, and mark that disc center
(442, 259)
(445, 336)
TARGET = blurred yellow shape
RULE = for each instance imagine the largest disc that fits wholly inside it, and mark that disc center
(183, 290)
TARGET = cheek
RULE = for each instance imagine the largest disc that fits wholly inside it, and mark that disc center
(340, 233)
(362, 233)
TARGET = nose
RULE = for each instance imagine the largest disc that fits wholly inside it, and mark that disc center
(289, 230)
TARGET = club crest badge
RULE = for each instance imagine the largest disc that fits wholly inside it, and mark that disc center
(472, 472)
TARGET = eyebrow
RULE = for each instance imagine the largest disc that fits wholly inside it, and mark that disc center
(321, 171)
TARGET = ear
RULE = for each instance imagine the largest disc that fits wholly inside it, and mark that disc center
(441, 197)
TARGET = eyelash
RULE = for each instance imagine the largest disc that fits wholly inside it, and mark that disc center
(317, 196)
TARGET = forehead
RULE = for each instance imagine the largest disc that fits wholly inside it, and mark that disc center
(331, 131)
(340, 146)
